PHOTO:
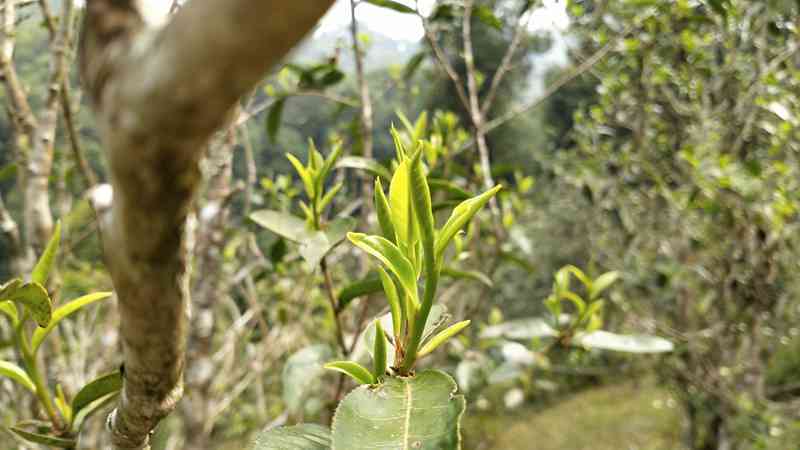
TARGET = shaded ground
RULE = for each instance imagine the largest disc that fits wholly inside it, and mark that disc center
(620, 417)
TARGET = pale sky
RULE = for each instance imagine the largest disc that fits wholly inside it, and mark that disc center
(551, 16)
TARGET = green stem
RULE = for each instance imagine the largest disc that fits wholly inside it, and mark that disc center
(42, 393)
(418, 327)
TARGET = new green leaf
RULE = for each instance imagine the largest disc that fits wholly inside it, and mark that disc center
(36, 300)
(459, 218)
(391, 257)
(379, 351)
(442, 337)
(62, 312)
(16, 373)
(45, 263)
(352, 369)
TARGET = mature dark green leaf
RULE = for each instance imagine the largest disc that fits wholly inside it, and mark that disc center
(8, 171)
(62, 312)
(88, 410)
(298, 437)
(453, 190)
(370, 284)
(413, 64)
(95, 390)
(391, 4)
(443, 12)
(468, 275)
(274, 118)
(44, 439)
(719, 6)
(331, 77)
(419, 412)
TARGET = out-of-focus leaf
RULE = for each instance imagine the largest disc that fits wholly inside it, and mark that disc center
(422, 412)
(352, 369)
(274, 118)
(719, 6)
(283, 224)
(486, 15)
(45, 263)
(298, 437)
(305, 175)
(302, 373)
(443, 12)
(8, 171)
(453, 190)
(314, 247)
(370, 284)
(519, 329)
(331, 77)
(468, 275)
(413, 64)
(368, 164)
(95, 390)
(7, 289)
(16, 373)
(44, 439)
(623, 342)
(602, 283)
(62, 312)
(393, 5)
(9, 309)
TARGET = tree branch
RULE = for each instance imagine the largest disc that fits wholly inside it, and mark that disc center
(159, 94)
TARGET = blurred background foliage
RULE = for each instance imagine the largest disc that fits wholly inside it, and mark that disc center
(672, 159)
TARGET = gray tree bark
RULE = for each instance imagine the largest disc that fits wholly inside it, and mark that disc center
(159, 94)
